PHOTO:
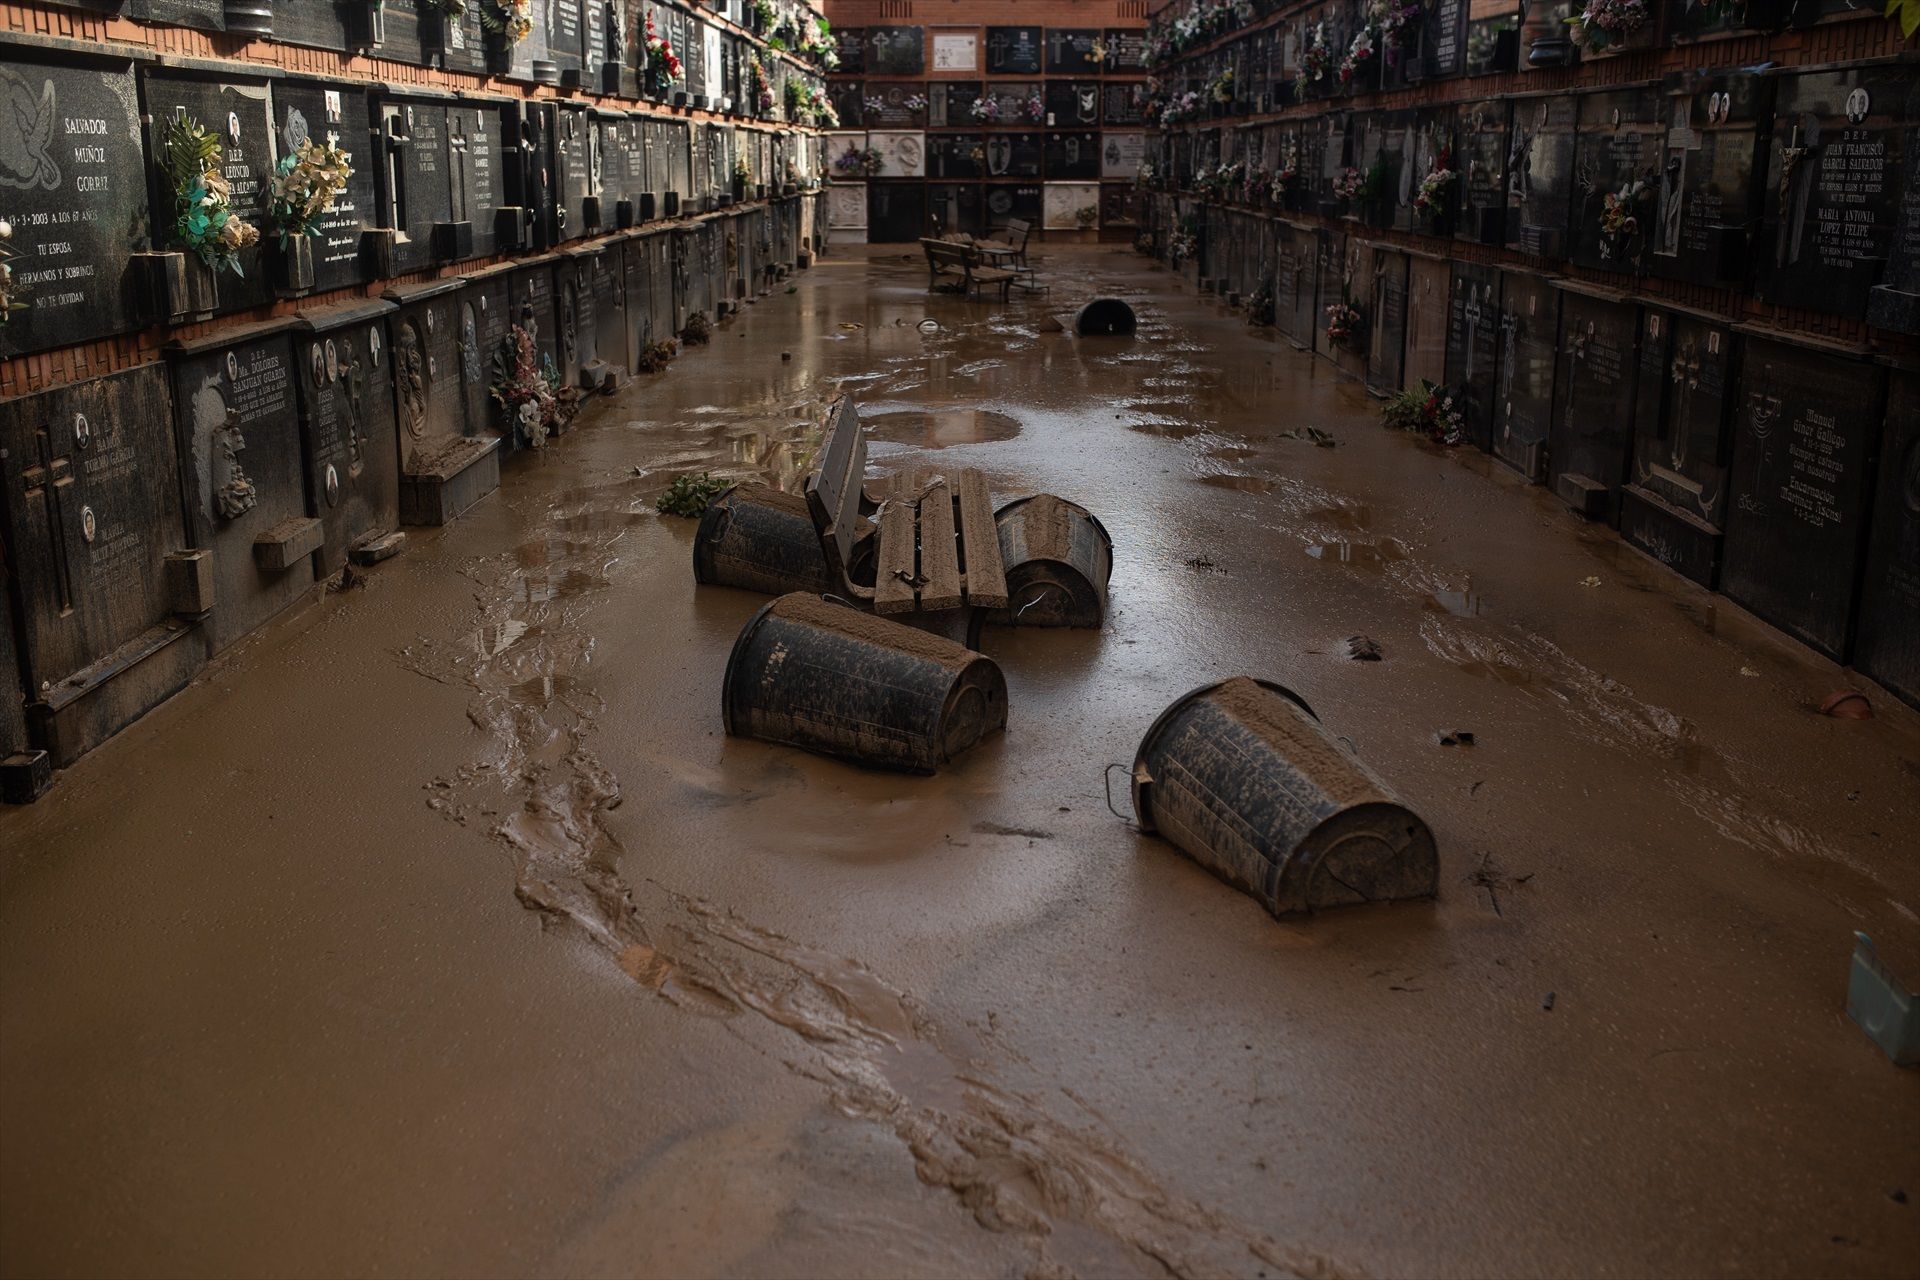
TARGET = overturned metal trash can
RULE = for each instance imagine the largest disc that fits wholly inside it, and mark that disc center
(815, 673)
(761, 539)
(1058, 558)
(1104, 317)
(1242, 777)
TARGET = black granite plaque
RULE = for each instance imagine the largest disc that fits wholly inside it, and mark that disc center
(478, 158)
(207, 15)
(427, 342)
(1126, 50)
(1014, 155)
(956, 155)
(71, 184)
(13, 703)
(90, 511)
(951, 105)
(466, 43)
(485, 318)
(567, 34)
(1443, 39)
(535, 184)
(1709, 198)
(895, 106)
(956, 206)
(576, 331)
(242, 471)
(1493, 37)
(1124, 104)
(1523, 402)
(895, 51)
(1676, 507)
(237, 114)
(1387, 332)
(1480, 140)
(636, 283)
(1119, 206)
(848, 98)
(1293, 283)
(1540, 182)
(1833, 184)
(1473, 347)
(851, 44)
(896, 211)
(1072, 156)
(1616, 154)
(1895, 302)
(1332, 284)
(1006, 201)
(1381, 140)
(1427, 144)
(573, 149)
(1072, 104)
(348, 397)
(1014, 51)
(1333, 150)
(531, 293)
(529, 57)
(1016, 102)
(335, 113)
(1889, 647)
(1592, 432)
(608, 307)
(315, 26)
(399, 32)
(1070, 51)
(1805, 428)
(416, 192)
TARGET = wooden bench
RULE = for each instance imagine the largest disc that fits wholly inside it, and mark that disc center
(953, 262)
(937, 545)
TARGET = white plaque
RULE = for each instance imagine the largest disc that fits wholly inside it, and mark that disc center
(1121, 153)
(956, 51)
(902, 155)
(1064, 200)
(847, 206)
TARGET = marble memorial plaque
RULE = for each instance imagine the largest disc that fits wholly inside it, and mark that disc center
(956, 52)
(243, 470)
(486, 322)
(1429, 284)
(847, 206)
(1894, 303)
(1592, 434)
(1833, 184)
(1676, 507)
(956, 206)
(314, 26)
(1523, 399)
(1063, 202)
(1805, 428)
(1124, 103)
(416, 191)
(1540, 174)
(566, 37)
(902, 155)
(950, 104)
(1331, 283)
(895, 106)
(431, 336)
(1443, 39)
(956, 155)
(399, 32)
(896, 212)
(574, 151)
(207, 15)
(1005, 201)
(1889, 646)
(71, 183)
(848, 98)
(1387, 328)
(1118, 205)
(1014, 51)
(334, 112)
(851, 44)
(1121, 155)
(1293, 283)
(1126, 50)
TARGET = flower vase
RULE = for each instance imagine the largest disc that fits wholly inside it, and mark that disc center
(293, 267)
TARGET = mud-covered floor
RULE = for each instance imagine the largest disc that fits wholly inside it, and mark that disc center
(440, 929)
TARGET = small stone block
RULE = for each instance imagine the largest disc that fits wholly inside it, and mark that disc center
(282, 546)
(25, 777)
(190, 580)
(374, 550)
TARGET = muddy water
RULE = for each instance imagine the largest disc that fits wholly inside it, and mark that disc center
(442, 930)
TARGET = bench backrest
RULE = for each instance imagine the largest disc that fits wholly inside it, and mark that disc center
(833, 490)
(947, 251)
(1018, 229)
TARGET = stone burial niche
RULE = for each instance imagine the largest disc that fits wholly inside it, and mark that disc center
(349, 379)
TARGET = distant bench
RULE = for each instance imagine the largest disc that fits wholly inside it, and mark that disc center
(951, 263)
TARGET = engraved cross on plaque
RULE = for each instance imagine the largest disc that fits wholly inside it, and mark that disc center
(457, 161)
(44, 486)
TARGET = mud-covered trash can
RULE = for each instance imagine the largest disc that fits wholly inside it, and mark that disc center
(1242, 777)
(761, 539)
(816, 673)
(1104, 318)
(1058, 558)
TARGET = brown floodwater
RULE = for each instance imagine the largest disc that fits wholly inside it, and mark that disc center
(441, 929)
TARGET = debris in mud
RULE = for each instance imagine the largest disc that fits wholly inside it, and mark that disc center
(1243, 778)
(1591, 580)
(996, 829)
(1363, 649)
(658, 355)
(698, 331)
(689, 495)
(929, 325)
(1458, 738)
(1846, 704)
(1324, 439)
(1204, 565)
(349, 580)
(1547, 1003)
(785, 356)
(1050, 325)
(1882, 1005)
(851, 326)
(1489, 876)
(1748, 671)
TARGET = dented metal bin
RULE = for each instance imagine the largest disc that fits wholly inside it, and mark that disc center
(1243, 778)
(1059, 558)
(820, 674)
(761, 539)
(1104, 317)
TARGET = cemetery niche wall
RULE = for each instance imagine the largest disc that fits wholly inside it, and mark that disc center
(1676, 282)
(294, 383)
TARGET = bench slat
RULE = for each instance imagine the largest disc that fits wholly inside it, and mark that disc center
(893, 590)
(939, 557)
(986, 572)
